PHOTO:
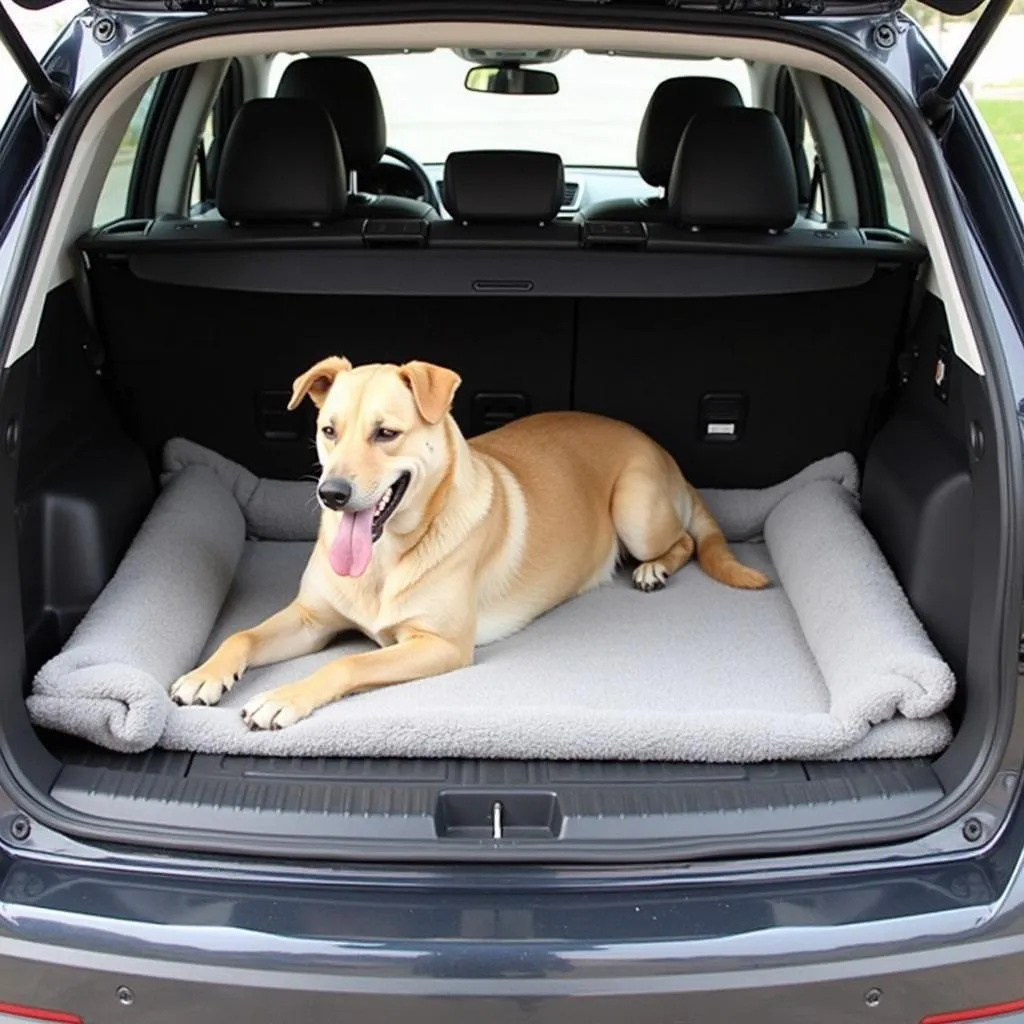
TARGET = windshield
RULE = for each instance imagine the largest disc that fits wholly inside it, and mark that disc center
(592, 121)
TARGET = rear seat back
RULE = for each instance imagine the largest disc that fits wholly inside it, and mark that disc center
(216, 365)
(749, 390)
(747, 349)
(208, 323)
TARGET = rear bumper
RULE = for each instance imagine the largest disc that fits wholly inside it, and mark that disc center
(498, 983)
(96, 996)
(107, 945)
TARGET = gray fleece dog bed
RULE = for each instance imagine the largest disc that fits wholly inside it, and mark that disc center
(830, 663)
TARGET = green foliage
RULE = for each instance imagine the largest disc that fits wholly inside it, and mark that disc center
(1005, 120)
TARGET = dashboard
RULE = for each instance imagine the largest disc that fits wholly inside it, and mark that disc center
(583, 185)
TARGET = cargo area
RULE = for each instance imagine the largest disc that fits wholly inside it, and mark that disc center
(803, 378)
(748, 336)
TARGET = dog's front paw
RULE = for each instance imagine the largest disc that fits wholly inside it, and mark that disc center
(275, 710)
(203, 687)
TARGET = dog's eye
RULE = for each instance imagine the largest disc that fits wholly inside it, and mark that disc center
(328, 431)
(384, 434)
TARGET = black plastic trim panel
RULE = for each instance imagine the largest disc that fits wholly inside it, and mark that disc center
(394, 800)
(407, 259)
(469, 272)
(133, 237)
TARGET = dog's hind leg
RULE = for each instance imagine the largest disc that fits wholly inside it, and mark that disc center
(660, 519)
(646, 515)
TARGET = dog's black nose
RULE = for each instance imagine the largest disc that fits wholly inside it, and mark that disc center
(335, 493)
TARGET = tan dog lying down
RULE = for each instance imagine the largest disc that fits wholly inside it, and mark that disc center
(431, 544)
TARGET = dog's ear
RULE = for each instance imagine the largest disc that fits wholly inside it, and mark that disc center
(317, 380)
(432, 387)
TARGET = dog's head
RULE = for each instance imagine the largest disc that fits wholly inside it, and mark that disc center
(380, 439)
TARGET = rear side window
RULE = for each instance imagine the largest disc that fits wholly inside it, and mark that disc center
(113, 201)
(895, 212)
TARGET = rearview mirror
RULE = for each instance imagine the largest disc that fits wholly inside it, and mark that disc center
(511, 81)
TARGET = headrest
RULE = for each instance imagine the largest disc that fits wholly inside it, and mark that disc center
(734, 169)
(496, 185)
(347, 89)
(281, 162)
(668, 113)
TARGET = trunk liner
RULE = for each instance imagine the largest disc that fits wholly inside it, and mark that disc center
(428, 799)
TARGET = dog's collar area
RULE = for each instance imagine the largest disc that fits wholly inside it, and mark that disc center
(389, 502)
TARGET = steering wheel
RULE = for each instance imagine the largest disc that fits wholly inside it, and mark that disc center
(416, 168)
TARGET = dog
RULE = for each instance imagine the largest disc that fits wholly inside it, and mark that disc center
(431, 545)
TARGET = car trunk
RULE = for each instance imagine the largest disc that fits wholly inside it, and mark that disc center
(178, 346)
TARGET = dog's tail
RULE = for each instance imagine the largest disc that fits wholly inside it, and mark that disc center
(713, 553)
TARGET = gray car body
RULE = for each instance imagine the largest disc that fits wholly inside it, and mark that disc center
(883, 934)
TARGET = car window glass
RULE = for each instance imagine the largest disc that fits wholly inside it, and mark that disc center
(592, 120)
(113, 200)
(1003, 113)
(895, 211)
(196, 189)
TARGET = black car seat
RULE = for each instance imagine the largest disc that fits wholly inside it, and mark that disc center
(282, 164)
(668, 113)
(733, 171)
(345, 87)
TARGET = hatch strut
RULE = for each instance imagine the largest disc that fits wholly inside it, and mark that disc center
(50, 99)
(937, 103)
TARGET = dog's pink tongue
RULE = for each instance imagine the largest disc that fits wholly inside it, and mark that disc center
(353, 544)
